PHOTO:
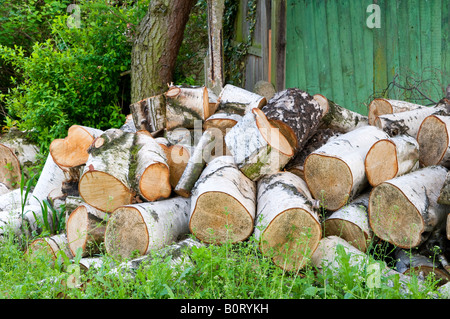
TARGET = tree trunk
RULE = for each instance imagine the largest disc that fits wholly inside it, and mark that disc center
(85, 230)
(197, 161)
(223, 203)
(351, 223)
(185, 106)
(287, 224)
(386, 106)
(72, 150)
(156, 46)
(257, 146)
(335, 172)
(236, 100)
(16, 155)
(150, 169)
(391, 157)
(404, 210)
(297, 115)
(339, 118)
(434, 141)
(149, 114)
(215, 72)
(105, 182)
(146, 226)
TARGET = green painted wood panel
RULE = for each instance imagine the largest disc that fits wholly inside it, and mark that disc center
(330, 49)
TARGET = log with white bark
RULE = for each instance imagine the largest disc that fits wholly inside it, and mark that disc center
(147, 226)
(105, 182)
(382, 106)
(233, 99)
(149, 114)
(4, 189)
(85, 230)
(287, 222)
(186, 106)
(339, 118)
(52, 246)
(351, 223)
(335, 172)
(17, 154)
(14, 199)
(433, 137)
(129, 126)
(257, 146)
(52, 177)
(328, 256)
(407, 122)
(150, 169)
(71, 151)
(223, 203)
(391, 157)
(195, 165)
(444, 193)
(296, 114)
(184, 136)
(404, 210)
(220, 124)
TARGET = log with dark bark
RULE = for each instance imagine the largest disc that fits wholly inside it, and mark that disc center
(339, 118)
(287, 222)
(382, 106)
(223, 203)
(335, 172)
(391, 157)
(404, 211)
(258, 147)
(296, 114)
(215, 72)
(147, 226)
(105, 182)
(433, 137)
(156, 45)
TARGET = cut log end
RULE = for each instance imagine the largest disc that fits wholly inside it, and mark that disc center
(378, 107)
(92, 190)
(293, 236)
(213, 221)
(381, 162)
(344, 229)
(433, 141)
(393, 217)
(10, 170)
(154, 183)
(338, 177)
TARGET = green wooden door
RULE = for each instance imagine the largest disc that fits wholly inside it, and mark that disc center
(332, 50)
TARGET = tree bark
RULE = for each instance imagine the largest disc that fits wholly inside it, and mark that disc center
(392, 157)
(215, 71)
(434, 141)
(287, 222)
(444, 194)
(146, 226)
(387, 106)
(404, 211)
(223, 203)
(150, 113)
(156, 47)
(335, 172)
(236, 100)
(51, 245)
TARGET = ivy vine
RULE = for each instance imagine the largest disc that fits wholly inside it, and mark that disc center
(235, 54)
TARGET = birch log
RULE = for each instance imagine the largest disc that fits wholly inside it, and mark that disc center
(147, 226)
(177, 158)
(151, 170)
(339, 118)
(24, 223)
(17, 154)
(287, 222)
(223, 203)
(149, 114)
(257, 146)
(233, 99)
(185, 106)
(434, 141)
(391, 157)
(335, 172)
(85, 230)
(52, 177)
(52, 246)
(72, 150)
(13, 200)
(105, 182)
(444, 193)
(382, 106)
(195, 165)
(296, 114)
(220, 124)
(404, 210)
(351, 223)
(215, 70)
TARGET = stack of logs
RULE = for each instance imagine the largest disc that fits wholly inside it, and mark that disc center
(299, 172)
